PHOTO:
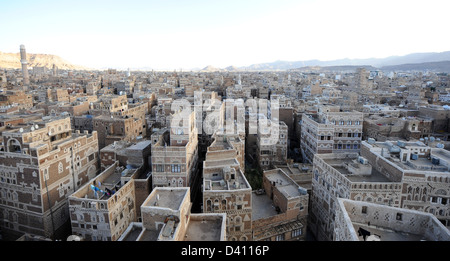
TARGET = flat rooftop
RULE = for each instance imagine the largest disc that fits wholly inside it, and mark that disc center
(114, 147)
(373, 175)
(132, 233)
(301, 173)
(387, 234)
(140, 145)
(205, 228)
(422, 163)
(217, 182)
(218, 163)
(149, 235)
(111, 182)
(262, 207)
(166, 198)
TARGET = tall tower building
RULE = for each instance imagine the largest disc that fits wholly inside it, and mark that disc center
(23, 61)
(55, 70)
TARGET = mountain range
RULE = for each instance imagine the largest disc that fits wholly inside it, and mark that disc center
(415, 61)
(436, 61)
(12, 61)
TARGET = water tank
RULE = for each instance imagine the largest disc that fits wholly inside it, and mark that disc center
(302, 191)
(414, 156)
(371, 141)
(435, 161)
(401, 144)
(440, 145)
(394, 149)
(362, 160)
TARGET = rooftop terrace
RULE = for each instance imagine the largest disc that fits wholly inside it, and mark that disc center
(262, 206)
(166, 198)
(355, 171)
(412, 155)
(205, 227)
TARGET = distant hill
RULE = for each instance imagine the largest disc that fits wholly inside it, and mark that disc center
(414, 58)
(351, 68)
(12, 61)
(443, 66)
(211, 68)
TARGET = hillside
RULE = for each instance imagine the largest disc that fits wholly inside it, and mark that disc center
(443, 66)
(12, 61)
(414, 58)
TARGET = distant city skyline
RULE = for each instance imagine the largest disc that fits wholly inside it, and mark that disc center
(193, 34)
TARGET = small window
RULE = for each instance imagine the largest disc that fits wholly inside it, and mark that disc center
(296, 233)
(364, 210)
(279, 237)
(399, 216)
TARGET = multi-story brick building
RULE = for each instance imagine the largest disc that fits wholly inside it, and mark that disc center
(339, 175)
(77, 108)
(364, 221)
(423, 170)
(103, 208)
(40, 166)
(226, 190)
(112, 129)
(20, 98)
(281, 212)
(271, 143)
(174, 156)
(133, 156)
(166, 216)
(114, 119)
(407, 175)
(384, 128)
(330, 132)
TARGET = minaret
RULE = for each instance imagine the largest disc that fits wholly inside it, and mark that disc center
(23, 61)
(55, 70)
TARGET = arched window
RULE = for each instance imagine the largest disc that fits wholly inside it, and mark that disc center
(216, 204)
(224, 204)
(208, 205)
(13, 145)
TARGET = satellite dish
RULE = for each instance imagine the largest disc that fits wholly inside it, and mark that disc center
(32, 128)
(21, 129)
(36, 126)
(49, 133)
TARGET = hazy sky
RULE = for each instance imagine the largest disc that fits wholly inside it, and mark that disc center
(176, 34)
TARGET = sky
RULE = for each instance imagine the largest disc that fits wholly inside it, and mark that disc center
(186, 34)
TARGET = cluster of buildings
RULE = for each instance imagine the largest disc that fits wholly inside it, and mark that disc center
(224, 156)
